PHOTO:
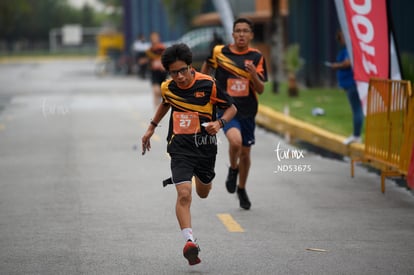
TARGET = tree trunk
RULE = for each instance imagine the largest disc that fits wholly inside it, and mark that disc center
(292, 86)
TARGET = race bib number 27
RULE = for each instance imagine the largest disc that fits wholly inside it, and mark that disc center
(185, 123)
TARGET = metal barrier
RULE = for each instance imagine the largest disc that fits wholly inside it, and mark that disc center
(389, 127)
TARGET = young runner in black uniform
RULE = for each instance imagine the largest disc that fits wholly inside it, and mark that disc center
(192, 145)
(241, 71)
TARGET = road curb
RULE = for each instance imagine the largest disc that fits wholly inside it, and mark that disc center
(286, 125)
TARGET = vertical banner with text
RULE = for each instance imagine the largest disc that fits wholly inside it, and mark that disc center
(369, 40)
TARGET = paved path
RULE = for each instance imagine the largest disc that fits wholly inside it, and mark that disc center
(77, 198)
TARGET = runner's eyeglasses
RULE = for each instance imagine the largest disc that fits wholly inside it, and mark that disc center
(180, 71)
(240, 31)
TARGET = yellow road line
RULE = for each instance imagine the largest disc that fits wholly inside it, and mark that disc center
(230, 223)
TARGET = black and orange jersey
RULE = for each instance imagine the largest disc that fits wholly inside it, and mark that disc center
(233, 78)
(190, 108)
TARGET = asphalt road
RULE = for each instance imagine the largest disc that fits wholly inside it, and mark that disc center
(77, 197)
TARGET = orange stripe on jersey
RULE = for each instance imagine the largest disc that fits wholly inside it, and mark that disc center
(182, 103)
(260, 68)
(228, 65)
(213, 98)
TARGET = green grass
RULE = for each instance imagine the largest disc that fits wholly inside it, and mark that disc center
(338, 114)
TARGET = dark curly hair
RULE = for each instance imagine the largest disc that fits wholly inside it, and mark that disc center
(243, 20)
(176, 52)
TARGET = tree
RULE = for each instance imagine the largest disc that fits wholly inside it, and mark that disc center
(33, 19)
(293, 64)
(114, 10)
(276, 62)
(11, 13)
(87, 16)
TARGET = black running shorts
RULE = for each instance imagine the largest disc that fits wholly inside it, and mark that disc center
(183, 168)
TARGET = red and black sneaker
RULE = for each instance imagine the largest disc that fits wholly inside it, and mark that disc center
(190, 252)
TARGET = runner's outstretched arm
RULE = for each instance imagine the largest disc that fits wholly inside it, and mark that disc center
(159, 114)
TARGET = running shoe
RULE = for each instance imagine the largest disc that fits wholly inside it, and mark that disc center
(352, 139)
(244, 199)
(190, 252)
(231, 180)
